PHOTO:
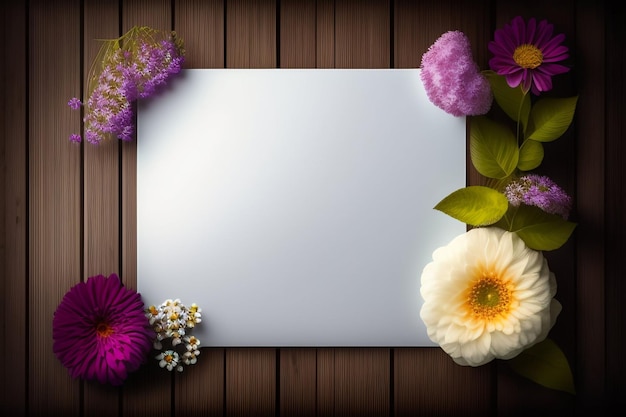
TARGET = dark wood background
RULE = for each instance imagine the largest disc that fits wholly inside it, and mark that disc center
(69, 211)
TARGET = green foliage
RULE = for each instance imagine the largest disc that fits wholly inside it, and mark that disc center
(538, 229)
(546, 364)
(474, 205)
(493, 148)
(550, 118)
(513, 101)
(530, 155)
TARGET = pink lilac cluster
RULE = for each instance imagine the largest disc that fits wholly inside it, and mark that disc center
(539, 191)
(452, 79)
(127, 74)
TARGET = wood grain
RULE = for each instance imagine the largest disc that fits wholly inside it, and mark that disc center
(298, 373)
(199, 391)
(101, 205)
(14, 217)
(140, 398)
(200, 24)
(325, 384)
(251, 42)
(54, 196)
(70, 211)
(298, 33)
(362, 381)
(593, 201)
(325, 34)
(428, 382)
(362, 34)
(614, 368)
(251, 34)
(250, 382)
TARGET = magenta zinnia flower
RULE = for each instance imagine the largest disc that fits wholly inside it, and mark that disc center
(100, 331)
(452, 79)
(526, 54)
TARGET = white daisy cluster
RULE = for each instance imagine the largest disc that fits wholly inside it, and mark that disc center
(173, 321)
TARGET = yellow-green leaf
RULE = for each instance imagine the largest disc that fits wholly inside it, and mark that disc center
(540, 230)
(513, 101)
(550, 118)
(546, 364)
(493, 148)
(475, 205)
(530, 155)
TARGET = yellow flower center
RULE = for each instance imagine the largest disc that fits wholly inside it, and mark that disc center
(169, 358)
(103, 329)
(528, 56)
(489, 297)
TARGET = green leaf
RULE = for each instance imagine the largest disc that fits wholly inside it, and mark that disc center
(493, 148)
(475, 205)
(538, 229)
(546, 364)
(530, 155)
(513, 101)
(550, 118)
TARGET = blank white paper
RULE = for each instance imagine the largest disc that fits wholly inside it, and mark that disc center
(295, 206)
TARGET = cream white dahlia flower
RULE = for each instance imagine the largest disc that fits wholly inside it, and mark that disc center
(487, 296)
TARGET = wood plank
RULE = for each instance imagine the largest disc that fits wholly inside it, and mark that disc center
(297, 383)
(362, 382)
(614, 395)
(325, 34)
(251, 34)
(200, 24)
(428, 382)
(54, 196)
(250, 382)
(148, 392)
(362, 34)
(298, 33)
(426, 379)
(250, 385)
(13, 188)
(298, 374)
(594, 199)
(361, 375)
(517, 396)
(199, 391)
(100, 192)
(325, 382)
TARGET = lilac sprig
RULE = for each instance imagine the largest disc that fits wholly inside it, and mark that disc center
(539, 191)
(133, 66)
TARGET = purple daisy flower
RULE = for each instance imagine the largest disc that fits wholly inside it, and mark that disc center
(539, 191)
(100, 331)
(527, 54)
(452, 79)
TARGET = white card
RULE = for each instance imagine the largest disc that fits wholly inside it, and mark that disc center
(295, 206)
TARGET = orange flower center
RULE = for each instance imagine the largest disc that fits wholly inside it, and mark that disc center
(169, 358)
(528, 56)
(489, 297)
(103, 329)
